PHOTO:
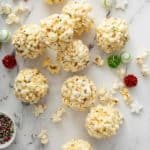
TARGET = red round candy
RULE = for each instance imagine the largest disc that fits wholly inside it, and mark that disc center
(9, 61)
(130, 80)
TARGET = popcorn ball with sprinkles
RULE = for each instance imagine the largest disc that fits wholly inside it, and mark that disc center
(50, 2)
(77, 145)
(103, 121)
(27, 41)
(57, 31)
(79, 13)
(30, 86)
(75, 57)
(112, 34)
(78, 93)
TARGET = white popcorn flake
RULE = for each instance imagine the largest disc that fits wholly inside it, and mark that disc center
(98, 61)
(39, 109)
(121, 4)
(112, 34)
(78, 93)
(103, 121)
(121, 72)
(57, 116)
(12, 18)
(77, 144)
(136, 107)
(75, 57)
(43, 137)
(5, 9)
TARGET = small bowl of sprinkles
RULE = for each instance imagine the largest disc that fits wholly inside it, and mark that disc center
(7, 130)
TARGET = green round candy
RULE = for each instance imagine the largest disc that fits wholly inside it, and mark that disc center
(114, 61)
(126, 57)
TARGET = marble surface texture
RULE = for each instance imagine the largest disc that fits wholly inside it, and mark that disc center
(134, 133)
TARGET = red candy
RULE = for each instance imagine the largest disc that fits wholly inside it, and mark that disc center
(9, 61)
(130, 80)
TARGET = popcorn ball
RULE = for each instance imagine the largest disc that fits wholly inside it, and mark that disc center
(57, 31)
(112, 34)
(27, 41)
(78, 11)
(77, 145)
(103, 121)
(30, 86)
(75, 57)
(53, 1)
(78, 93)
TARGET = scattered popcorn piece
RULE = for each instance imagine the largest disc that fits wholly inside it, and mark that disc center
(53, 68)
(20, 9)
(145, 70)
(106, 98)
(98, 61)
(107, 4)
(57, 116)
(12, 18)
(121, 72)
(50, 2)
(103, 121)
(136, 107)
(117, 85)
(43, 136)
(127, 97)
(39, 109)
(121, 4)
(5, 9)
(77, 144)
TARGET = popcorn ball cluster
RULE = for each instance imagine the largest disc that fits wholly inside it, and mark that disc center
(103, 121)
(78, 93)
(27, 41)
(30, 86)
(112, 34)
(53, 1)
(75, 57)
(57, 31)
(78, 12)
(77, 145)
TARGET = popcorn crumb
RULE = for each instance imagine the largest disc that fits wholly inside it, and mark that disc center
(5, 9)
(126, 95)
(121, 72)
(57, 116)
(12, 18)
(53, 68)
(39, 109)
(145, 70)
(106, 98)
(98, 61)
(136, 107)
(43, 136)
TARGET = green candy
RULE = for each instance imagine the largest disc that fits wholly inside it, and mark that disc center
(114, 61)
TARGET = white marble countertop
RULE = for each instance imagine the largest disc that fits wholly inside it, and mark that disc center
(133, 135)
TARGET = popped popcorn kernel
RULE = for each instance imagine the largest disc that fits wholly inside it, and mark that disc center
(103, 121)
(126, 95)
(12, 18)
(77, 145)
(98, 61)
(57, 116)
(27, 41)
(79, 13)
(30, 86)
(78, 93)
(112, 34)
(75, 57)
(50, 2)
(43, 137)
(57, 31)
(5, 9)
(39, 109)
(136, 107)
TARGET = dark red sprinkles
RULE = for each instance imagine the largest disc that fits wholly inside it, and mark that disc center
(6, 129)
